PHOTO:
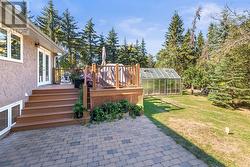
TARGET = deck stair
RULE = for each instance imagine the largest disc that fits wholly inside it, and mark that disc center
(48, 108)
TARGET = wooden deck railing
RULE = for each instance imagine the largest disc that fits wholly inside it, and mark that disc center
(64, 74)
(115, 76)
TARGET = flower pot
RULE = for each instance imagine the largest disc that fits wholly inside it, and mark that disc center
(78, 83)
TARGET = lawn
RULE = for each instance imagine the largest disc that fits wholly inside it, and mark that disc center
(199, 126)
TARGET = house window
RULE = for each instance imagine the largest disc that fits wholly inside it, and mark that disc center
(15, 112)
(3, 43)
(15, 47)
(10, 45)
(8, 116)
(3, 120)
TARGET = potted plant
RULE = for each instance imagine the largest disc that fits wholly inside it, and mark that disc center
(86, 116)
(77, 78)
(78, 109)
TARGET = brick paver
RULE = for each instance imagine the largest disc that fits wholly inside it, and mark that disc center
(128, 142)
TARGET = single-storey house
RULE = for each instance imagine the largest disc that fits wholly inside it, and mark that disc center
(26, 62)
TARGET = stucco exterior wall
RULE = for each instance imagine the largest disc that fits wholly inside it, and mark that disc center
(16, 79)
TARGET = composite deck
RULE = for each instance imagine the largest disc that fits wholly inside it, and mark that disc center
(48, 106)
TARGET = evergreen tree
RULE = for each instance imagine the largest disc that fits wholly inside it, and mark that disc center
(200, 44)
(187, 56)
(143, 59)
(196, 17)
(230, 86)
(68, 36)
(224, 25)
(112, 46)
(213, 38)
(143, 48)
(174, 36)
(169, 56)
(123, 56)
(150, 61)
(49, 21)
(89, 41)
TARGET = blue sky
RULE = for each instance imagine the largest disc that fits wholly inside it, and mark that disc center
(136, 19)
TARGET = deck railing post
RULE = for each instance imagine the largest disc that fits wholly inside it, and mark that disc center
(85, 89)
(137, 75)
(117, 75)
(94, 75)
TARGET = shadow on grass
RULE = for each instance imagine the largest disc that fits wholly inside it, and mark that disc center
(153, 106)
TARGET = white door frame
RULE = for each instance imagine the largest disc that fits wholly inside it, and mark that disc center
(44, 52)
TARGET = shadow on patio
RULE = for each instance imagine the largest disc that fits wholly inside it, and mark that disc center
(153, 106)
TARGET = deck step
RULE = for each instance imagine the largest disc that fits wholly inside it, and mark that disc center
(44, 124)
(54, 91)
(53, 96)
(36, 117)
(36, 103)
(48, 109)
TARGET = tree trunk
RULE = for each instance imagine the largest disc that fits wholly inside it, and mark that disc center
(192, 89)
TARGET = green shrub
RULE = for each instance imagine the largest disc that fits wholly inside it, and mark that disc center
(115, 110)
(125, 105)
(78, 109)
(135, 110)
(98, 115)
(78, 106)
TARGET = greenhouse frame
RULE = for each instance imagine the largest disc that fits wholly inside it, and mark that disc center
(160, 81)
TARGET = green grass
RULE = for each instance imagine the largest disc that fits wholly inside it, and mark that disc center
(197, 125)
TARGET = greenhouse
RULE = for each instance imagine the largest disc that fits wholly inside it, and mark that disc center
(156, 81)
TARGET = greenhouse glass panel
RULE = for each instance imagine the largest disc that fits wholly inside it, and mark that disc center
(156, 86)
(150, 86)
(178, 86)
(145, 86)
(172, 86)
(160, 81)
(162, 86)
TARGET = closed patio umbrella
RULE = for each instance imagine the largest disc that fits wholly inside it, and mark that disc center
(104, 55)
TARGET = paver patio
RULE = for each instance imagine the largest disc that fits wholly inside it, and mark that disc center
(128, 142)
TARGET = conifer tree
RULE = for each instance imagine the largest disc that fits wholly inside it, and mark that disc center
(49, 21)
(196, 17)
(89, 40)
(169, 56)
(112, 46)
(123, 56)
(69, 35)
(230, 86)
(143, 47)
(150, 61)
(200, 44)
(213, 38)
(143, 60)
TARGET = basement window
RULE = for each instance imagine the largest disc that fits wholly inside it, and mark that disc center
(8, 116)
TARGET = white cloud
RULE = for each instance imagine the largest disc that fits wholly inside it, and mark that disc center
(137, 28)
(131, 26)
(208, 12)
(102, 22)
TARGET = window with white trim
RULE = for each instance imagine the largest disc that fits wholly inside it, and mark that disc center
(11, 45)
(8, 116)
